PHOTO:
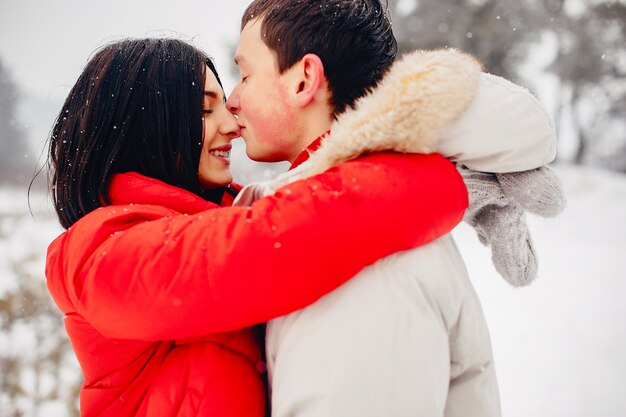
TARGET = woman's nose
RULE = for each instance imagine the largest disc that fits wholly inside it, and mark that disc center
(230, 128)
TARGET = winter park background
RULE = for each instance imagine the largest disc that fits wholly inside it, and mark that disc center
(560, 344)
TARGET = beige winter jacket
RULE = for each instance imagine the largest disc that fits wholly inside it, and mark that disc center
(407, 336)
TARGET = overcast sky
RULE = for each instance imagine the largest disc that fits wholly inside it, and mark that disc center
(45, 44)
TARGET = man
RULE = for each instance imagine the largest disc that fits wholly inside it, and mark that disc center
(400, 341)
(294, 82)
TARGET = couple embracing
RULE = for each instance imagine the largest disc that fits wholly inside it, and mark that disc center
(333, 290)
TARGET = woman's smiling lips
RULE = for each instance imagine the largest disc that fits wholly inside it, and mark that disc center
(222, 153)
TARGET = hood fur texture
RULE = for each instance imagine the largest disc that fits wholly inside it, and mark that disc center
(418, 97)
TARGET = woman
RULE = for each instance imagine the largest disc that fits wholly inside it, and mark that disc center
(159, 285)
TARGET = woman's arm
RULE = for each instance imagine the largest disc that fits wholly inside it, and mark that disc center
(230, 268)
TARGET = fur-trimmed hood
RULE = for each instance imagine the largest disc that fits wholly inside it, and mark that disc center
(441, 101)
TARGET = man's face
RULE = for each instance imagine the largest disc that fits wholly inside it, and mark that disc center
(262, 101)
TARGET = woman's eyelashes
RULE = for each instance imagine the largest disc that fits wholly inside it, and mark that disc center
(207, 111)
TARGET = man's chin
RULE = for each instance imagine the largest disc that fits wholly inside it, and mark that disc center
(261, 152)
(258, 155)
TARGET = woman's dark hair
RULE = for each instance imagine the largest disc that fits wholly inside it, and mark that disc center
(137, 106)
(353, 38)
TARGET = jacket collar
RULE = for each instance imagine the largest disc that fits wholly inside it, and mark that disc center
(305, 154)
(134, 188)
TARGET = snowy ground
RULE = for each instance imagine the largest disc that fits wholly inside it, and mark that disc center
(560, 344)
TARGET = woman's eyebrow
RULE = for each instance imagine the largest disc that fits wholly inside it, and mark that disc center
(215, 96)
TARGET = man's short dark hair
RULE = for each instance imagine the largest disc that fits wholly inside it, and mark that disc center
(353, 38)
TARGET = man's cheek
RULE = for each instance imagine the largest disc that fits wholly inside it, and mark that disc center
(273, 119)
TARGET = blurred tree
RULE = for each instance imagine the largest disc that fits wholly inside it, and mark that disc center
(13, 147)
(589, 62)
(38, 369)
(498, 32)
(591, 67)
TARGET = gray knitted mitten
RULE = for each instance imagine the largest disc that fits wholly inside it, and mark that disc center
(538, 190)
(496, 211)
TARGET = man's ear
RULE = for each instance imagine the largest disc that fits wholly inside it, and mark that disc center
(310, 79)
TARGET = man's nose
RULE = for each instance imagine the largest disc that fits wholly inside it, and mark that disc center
(232, 104)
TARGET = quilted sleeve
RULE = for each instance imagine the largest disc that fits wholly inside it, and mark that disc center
(155, 277)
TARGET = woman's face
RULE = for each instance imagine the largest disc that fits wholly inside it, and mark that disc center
(219, 129)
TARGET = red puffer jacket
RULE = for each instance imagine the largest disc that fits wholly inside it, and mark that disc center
(160, 288)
